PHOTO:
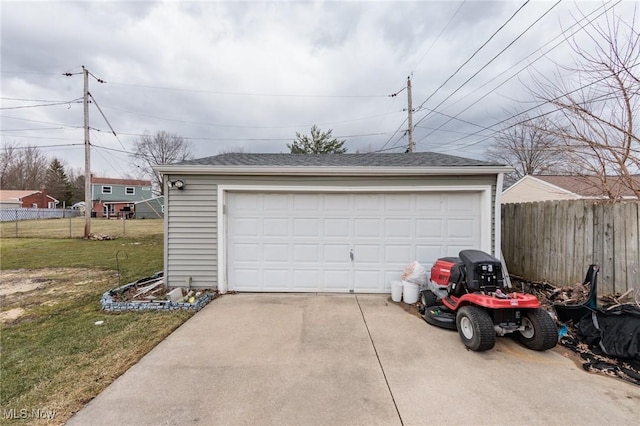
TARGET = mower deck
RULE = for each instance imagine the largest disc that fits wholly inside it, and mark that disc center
(440, 316)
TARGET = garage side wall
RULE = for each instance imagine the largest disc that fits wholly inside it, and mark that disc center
(191, 216)
(191, 233)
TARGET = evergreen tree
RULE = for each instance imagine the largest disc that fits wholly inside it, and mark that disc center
(318, 143)
(57, 183)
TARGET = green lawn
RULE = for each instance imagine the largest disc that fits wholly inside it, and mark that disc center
(53, 355)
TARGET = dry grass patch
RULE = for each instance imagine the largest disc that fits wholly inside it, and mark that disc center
(54, 356)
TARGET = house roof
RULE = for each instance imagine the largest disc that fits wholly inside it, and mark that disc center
(13, 196)
(114, 181)
(420, 162)
(589, 186)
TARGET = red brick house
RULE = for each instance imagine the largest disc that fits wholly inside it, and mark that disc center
(29, 198)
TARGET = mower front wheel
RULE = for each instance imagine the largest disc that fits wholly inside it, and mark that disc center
(475, 328)
(540, 332)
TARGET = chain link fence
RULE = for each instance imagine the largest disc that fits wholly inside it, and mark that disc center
(73, 227)
(22, 213)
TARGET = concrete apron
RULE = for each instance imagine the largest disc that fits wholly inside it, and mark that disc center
(290, 359)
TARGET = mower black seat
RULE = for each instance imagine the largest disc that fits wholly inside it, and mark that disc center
(483, 271)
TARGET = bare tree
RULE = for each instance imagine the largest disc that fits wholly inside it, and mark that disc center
(597, 102)
(527, 146)
(161, 148)
(22, 167)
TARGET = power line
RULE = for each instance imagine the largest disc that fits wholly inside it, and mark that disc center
(439, 34)
(42, 105)
(474, 54)
(563, 33)
(490, 61)
(274, 95)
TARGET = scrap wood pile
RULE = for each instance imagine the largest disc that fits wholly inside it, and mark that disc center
(606, 339)
(142, 290)
(548, 294)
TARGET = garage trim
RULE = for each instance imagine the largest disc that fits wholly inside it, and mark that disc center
(484, 190)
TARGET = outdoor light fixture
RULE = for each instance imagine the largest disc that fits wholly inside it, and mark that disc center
(178, 184)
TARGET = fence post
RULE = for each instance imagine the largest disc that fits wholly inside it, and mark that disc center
(124, 220)
(16, 223)
(70, 235)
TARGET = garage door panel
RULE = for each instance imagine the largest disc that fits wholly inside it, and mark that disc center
(306, 203)
(336, 203)
(430, 203)
(306, 279)
(462, 203)
(337, 227)
(336, 280)
(248, 252)
(397, 253)
(306, 253)
(276, 279)
(427, 252)
(276, 253)
(302, 241)
(306, 227)
(367, 203)
(429, 228)
(276, 227)
(367, 253)
(461, 228)
(367, 281)
(398, 228)
(246, 226)
(364, 228)
(398, 203)
(274, 202)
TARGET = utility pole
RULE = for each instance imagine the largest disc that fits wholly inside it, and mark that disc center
(88, 204)
(410, 118)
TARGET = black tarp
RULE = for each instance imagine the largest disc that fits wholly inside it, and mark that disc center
(616, 331)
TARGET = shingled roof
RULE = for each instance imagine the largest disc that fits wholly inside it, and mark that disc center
(416, 159)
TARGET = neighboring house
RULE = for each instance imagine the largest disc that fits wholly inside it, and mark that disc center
(117, 197)
(532, 188)
(27, 199)
(323, 222)
(153, 208)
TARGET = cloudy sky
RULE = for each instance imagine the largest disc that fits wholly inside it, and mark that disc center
(249, 75)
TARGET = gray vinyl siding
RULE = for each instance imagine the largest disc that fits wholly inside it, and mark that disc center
(191, 233)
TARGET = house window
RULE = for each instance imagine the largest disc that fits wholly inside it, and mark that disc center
(52, 205)
(34, 205)
(130, 190)
(106, 189)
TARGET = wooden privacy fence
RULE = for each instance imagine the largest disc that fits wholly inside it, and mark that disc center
(556, 241)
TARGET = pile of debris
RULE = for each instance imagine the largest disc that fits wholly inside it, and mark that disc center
(607, 339)
(151, 293)
(101, 237)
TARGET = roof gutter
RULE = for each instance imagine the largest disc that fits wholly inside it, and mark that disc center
(329, 171)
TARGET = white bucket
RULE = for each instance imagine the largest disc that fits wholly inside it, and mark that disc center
(396, 291)
(411, 292)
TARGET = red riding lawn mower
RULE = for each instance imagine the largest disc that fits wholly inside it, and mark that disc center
(471, 292)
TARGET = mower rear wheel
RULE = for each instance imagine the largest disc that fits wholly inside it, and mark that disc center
(540, 332)
(475, 328)
(428, 298)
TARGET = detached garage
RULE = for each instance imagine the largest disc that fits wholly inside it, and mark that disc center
(323, 222)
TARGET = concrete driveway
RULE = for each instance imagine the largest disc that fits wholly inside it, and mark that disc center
(291, 359)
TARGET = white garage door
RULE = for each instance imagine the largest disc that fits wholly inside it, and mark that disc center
(341, 242)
